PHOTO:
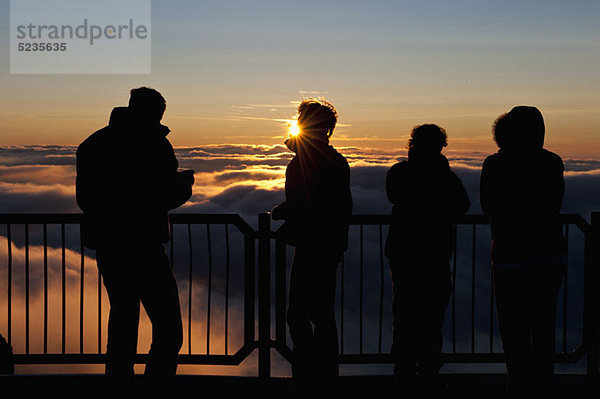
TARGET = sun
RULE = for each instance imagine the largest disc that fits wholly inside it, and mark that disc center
(293, 128)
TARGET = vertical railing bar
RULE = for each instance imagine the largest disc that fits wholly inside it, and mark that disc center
(99, 312)
(264, 296)
(171, 243)
(491, 312)
(280, 290)
(9, 304)
(454, 261)
(63, 287)
(249, 288)
(190, 280)
(209, 282)
(565, 285)
(342, 305)
(361, 293)
(381, 286)
(26, 288)
(81, 290)
(474, 242)
(45, 241)
(227, 260)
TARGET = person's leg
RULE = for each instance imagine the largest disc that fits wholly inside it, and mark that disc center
(512, 294)
(160, 298)
(435, 294)
(543, 332)
(404, 312)
(123, 320)
(323, 316)
(298, 317)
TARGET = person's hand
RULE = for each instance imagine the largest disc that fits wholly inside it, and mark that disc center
(188, 176)
(277, 213)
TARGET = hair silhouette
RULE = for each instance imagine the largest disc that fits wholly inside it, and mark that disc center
(317, 117)
(147, 104)
(521, 128)
(428, 138)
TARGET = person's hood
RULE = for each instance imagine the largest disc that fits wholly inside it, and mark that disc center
(526, 128)
(121, 117)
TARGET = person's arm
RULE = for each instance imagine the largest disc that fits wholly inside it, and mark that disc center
(295, 203)
(461, 201)
(84, 183)
(559, 186)
(177, 185)
(486, 184)
(392, 185)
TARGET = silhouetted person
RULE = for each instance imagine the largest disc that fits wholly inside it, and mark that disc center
(127, 181)
(522, 187)
(316, 210)
(428, 198)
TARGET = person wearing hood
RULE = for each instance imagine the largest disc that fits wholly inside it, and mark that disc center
(127, 181)
(521, 192)
(427, 200)
(316, 210)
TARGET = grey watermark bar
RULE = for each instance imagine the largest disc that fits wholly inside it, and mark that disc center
(80, 37)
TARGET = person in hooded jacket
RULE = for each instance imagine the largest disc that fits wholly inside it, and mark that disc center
(521, 191)
(127, 181)
(428, 199)
(317, 207)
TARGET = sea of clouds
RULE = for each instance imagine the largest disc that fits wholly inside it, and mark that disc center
(248, 180)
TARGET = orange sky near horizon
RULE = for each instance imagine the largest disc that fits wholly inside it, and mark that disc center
(231, 72)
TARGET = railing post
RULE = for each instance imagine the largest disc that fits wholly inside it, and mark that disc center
(264, 295)
(591, 298)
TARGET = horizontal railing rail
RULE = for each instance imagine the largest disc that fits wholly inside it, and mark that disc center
(57, 236)
(576, 296)
(233, 277)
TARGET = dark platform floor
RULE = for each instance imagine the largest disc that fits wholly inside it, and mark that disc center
(464, 385)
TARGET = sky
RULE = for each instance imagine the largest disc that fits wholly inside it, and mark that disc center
(232, 70)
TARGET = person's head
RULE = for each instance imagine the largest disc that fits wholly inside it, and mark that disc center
(427, 139)
(522, 127)
(317, 118)
(147, 104)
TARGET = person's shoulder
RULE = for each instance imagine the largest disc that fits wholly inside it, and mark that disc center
(93, 139)
(551, 156)
(338, 158)
(398, 167)
(492, 160)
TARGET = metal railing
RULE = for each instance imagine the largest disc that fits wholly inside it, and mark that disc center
(225, 268)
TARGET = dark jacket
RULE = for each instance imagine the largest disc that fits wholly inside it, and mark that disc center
(127, 181)
(428, 199)
(318, 200)
(521, 192)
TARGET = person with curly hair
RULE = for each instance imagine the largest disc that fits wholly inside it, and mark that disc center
(427, 200)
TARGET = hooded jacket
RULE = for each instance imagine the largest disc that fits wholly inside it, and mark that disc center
(521, 193)
(127, 181)
(427, 200)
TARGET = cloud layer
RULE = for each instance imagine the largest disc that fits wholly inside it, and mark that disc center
(247, 180)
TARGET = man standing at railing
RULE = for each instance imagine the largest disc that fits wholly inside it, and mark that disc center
(127, 181)
(316, 213)
(428, 199)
